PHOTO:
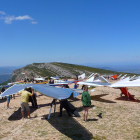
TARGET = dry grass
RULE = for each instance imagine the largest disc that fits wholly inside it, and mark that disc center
(110, 119)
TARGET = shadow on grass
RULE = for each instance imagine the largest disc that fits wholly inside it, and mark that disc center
(69, 127)
(93, 120)
(124, 98)
(17, 114)
(75, 99)
(98, 98)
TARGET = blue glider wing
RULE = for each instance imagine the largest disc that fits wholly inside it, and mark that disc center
(57, 93)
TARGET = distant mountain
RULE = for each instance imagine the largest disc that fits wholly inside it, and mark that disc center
(57, 69)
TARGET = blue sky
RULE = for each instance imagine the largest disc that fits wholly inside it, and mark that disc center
(69, 31)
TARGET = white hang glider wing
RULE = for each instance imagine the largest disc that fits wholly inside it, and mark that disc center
(82, 76)
(123, 77)
(126, 83)
(99, 81)
(41, 78)
(91, 77)
(55, 78)
(119, 76)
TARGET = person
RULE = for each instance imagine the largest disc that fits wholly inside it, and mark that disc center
(32, 99)
(52, 82)
(32, 79)
(8, 101)
(83, 87)
(68, 106)
(126, 96)
(24, 101)
(86, 101)
(65, 86)
(49, 81)
(76, 77)
(75, 86)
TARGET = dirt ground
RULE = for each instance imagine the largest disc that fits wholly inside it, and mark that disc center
(110, 118)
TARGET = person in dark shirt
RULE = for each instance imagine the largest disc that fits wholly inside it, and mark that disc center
(68, 106)
(32, 99)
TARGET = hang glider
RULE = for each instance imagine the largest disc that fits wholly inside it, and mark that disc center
(119, 76)
(114, 77)
(55, 78)
(56, 93)
(82, 76)
(127, 83)
(92, 77)
(53, 92)
(123, 77)
(98, 81)
(40, 79)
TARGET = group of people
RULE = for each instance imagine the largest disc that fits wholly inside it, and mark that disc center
(86, 101)
(28, 95)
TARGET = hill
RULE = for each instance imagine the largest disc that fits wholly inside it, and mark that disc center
(57, 69)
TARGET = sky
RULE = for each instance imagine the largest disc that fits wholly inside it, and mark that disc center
(69, 31)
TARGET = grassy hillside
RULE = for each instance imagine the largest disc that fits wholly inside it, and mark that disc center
(58, 69)
(73, 68)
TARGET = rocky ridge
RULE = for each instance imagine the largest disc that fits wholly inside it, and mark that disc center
(56, 69)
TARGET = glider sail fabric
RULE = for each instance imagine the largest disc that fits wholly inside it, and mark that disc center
(14, 89)
(99, 81)
(41, 78)
(57, 93)
(94, 83)
(82, 76)
(127, 83)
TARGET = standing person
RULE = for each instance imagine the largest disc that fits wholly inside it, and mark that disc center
(24, 101)
(75, 86)
(76, 77)
(8, 101)
(86, 100)
(32, 99)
